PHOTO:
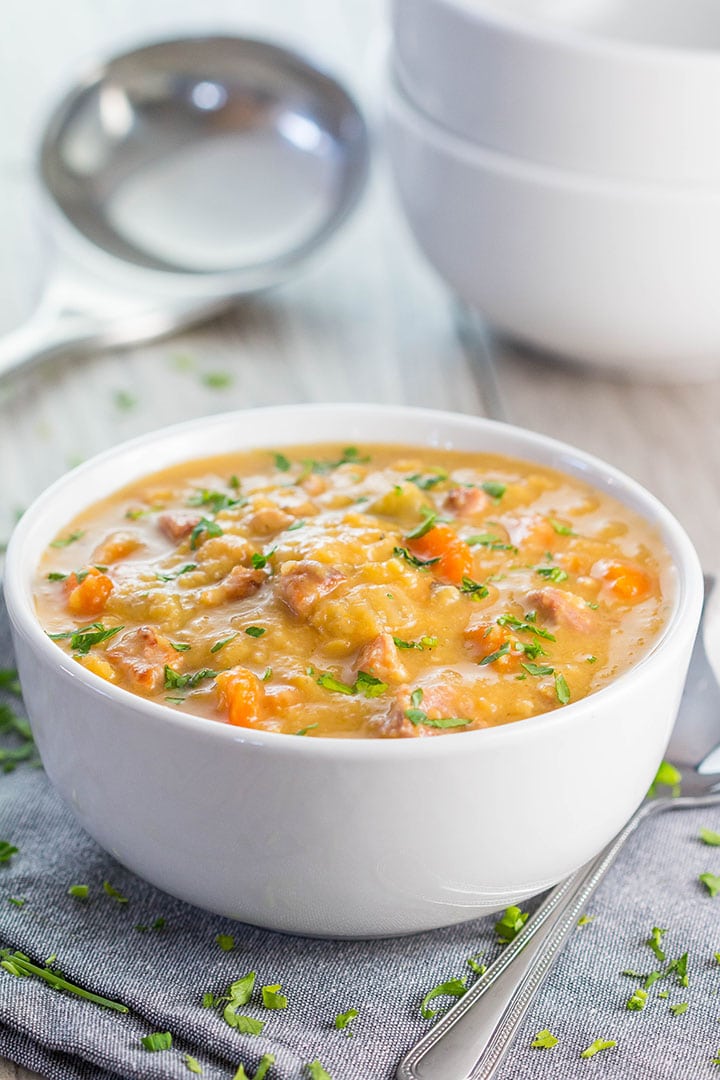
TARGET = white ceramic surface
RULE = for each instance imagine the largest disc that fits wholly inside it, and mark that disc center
(600, 272)
(344, 837)
(624, 88)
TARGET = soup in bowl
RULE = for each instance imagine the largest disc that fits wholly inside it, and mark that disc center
(351, 670)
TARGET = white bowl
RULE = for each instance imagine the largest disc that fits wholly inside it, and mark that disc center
(624, 88)
(333, 836)
(600, 272)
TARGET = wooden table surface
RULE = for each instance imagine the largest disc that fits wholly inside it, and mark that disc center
(368, 321)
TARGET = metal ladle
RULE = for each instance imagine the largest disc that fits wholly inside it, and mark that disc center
(179, 177)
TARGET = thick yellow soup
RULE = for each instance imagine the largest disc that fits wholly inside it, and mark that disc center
(374, 591)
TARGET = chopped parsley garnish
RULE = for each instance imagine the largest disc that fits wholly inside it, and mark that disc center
(222, 643)
(591, 659)
(562, 689)
(282, 464)
(159, 1040)
(206, 526)
(552, 573)
(474, 589)
(418, 717)
(16, 963)
(349, 456)
(560, 529)
(83, 640)
(272, 998)
(192, 1064)
(259, 562)
(226, 942)
(175, 681)
(544, 1040)
(492, 657)
(425, 483)
(655, 941)
(528, 626)
(538, 669)
(711, 883)
(595, 1047)
(429, 518)
(452, 988)
(114, 893)
(134, 514)
(638, 1000)
(424, 642)
(7, 851)
(216, 500)
(494, 488)
(80, 892)
(180, 646)
(255, 631)
(329, 682)
(267, 674)
(369, 685)
(304, 730)
(510, 925)
(419, 564)
(65, 541)
(488, 540)
(709, 837)
(55, 575)
(176, 573)
(679, 1009)
(296, 525)
(343, 1021)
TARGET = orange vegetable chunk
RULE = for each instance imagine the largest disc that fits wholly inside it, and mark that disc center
(243, 695)
(627, 582)
(456, 559)
(89, 596)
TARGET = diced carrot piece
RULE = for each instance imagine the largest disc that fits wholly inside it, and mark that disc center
(484, 640)
(533, 532)
(89, 596)
(99, 667)
(243, 695)
(440, 542)
(628, 582)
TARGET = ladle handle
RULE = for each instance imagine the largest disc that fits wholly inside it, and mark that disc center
(42, 336)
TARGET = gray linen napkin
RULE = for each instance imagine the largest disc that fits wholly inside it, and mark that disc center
(162, 974)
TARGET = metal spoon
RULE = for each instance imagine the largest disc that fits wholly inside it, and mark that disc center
(181, 176)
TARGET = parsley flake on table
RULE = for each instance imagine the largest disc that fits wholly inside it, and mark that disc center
(711, 883)
(315, 1071)
(192, 1064)
(272, 998)
(226, 942)
(475, 967)
(666, 776)
(585, 919)
(511, 923)
(7, 851)
(159, 1040)
(17, 901)
(16, 963)
(124, 400)
(260, 1073)
(9, 681)
(654, 942)
(451, 988)
(709, 837)
(217, 380)
(80, 892)
(595, 1047)
(637, 1001)
(343, 1021)
(544, 1040)
(680, 1008)
(246, 1025)
(114, 893)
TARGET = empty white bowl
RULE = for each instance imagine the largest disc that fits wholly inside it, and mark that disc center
(623, 88)
(345, 837)
(621, 276)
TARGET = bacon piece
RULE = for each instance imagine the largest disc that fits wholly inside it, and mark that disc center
(269, 520)
(380, 658)
(141, 655)
(240, 583)
(303, 583)
(466, 501)
(176, 525)
(563, 608)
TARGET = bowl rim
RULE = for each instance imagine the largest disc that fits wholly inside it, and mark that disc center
(573, 39)
(480, 156)
(686, 601)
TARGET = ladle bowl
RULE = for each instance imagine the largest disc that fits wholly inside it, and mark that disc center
(180, 176)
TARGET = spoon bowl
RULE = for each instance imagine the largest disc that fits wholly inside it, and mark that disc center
(182, 175)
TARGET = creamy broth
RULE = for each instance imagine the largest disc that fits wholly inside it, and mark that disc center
(373, 591)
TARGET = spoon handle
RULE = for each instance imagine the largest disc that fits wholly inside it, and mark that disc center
(40, 337)
(473, 1037)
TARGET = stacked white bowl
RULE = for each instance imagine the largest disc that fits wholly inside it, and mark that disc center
(558, 163)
